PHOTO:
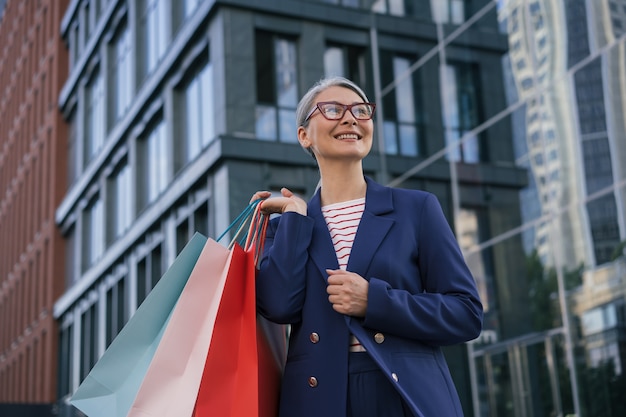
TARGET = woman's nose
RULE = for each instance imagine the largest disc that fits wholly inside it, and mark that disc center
(348, 117)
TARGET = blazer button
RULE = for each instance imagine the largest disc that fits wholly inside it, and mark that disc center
(379, 338)
(314, 337)
(394, 376)
(312, 382)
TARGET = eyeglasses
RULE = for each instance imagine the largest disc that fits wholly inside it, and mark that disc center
(332, 110)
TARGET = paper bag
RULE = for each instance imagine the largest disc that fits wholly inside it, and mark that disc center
(110, 388)
(171, 383)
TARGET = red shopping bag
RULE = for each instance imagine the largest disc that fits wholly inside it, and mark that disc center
(243, 368)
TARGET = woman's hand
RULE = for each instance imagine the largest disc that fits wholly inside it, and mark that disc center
(347, 292)
(287, 202)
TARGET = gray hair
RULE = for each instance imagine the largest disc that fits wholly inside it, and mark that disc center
(307, 102)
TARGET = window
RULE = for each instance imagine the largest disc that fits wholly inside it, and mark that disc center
(199, 112)
(71, 256)
(461, 111)
(123, 72)
(115, 310)
(449, 11)
(93, 232)
(608, 353)
(599, 319)
(73, 154)
(277, 92)
(154, 23)
(394, 7)
(153, 176)
(74, 44)
(87, 20)
(190, 6)
(66, 355)
(95, 128)
(201, 218)
(89, 334)
(400, 107)
(597, 163)
(192, 216)
(604, 227)
(345, 61)
(347, 3)
(149, 271)
(472, 231)
(121, 211)
(102, 4)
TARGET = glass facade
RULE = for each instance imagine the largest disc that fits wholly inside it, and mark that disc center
(512, 112)
(549, 256)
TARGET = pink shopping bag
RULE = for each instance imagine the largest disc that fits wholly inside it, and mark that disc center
(171, 384)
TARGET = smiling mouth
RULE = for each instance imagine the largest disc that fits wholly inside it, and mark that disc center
(352, 136)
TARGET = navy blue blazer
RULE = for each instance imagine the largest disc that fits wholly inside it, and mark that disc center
(421, 296)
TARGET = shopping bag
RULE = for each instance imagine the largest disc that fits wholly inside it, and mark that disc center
(243, 367)
(171, 383)
(111, 386)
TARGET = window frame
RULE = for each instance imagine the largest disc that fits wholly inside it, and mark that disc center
(393, 126)
(276, 112)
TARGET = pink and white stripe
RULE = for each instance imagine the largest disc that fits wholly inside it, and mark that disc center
(343, 221)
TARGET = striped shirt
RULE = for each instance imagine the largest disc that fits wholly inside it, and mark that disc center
(343, 220)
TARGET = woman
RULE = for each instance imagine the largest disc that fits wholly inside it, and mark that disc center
(370, 278)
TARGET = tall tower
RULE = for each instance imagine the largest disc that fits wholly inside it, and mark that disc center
(33, 157)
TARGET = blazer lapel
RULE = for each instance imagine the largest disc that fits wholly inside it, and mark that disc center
(321, 249)
(372, 229)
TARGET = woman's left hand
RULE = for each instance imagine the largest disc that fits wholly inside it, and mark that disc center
(347, 292)
(287, 202)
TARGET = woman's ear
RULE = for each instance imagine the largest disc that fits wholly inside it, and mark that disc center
(305, 142)
(303, 138)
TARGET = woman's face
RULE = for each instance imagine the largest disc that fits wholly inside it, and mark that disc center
(345, 139)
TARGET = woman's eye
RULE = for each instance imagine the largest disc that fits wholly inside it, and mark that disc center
(361, 111)
(332, 110)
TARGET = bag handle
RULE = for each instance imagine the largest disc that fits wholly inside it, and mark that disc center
(255, 239)
(254, 235)
(239, 223)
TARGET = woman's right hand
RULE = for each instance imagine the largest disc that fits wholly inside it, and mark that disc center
(287, 202)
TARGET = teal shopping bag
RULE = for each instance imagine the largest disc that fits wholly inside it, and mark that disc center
(110, 388)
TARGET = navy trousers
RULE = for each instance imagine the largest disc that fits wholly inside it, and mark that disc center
(370, 393)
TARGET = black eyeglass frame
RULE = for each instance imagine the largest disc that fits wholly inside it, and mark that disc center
(344, 106)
